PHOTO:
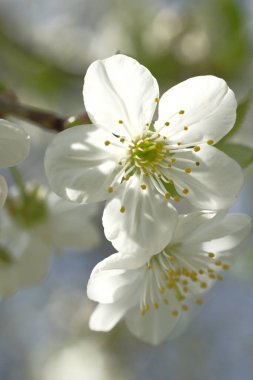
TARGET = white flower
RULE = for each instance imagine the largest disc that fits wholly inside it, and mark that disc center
(29, 232)
(14, 147)
(137, 165)
(151, 293)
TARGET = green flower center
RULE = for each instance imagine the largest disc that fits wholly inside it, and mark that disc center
(147, 152)
(28, 210)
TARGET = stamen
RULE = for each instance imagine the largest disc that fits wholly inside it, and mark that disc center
(122, 209)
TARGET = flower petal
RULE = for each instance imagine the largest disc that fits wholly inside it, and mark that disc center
(79, 166)
(120, 94)
(204, 104)
(105, 317)
(212, 185)
(155, 326)
(3, 190)
(113, 279)
(226, 234)
(14, 144)
(146, 224)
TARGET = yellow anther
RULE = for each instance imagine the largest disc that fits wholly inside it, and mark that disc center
(181, 112)
(185, 289)
(197, 163)
(175, 313)
(120, 163)
(176, 198)
(167, 195)
(169, 166)
(143, 187)
(156, 100)
(179, 143)
(194, 277)
(145, 174)
(185, 282)
(147, 124)
(170, 285)
(187, 170)
(166, 123)
(196, 148)
(110, 189)
(122, 209)
(212, 276)
(185, 307)
(211, 255)
(203, 285)
(201, 271)
(210, 142)
(225, 266)
(166, 301)
(173, 160)
(186, 128)
(120, 121)
(156, 305)
(219, 277)
(107, 142)
(218, 263)
(161, 290)
(122, 139)
(149, 266)
(199, 301)
(185, 190)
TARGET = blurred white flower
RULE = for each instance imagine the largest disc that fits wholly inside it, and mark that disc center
(137, 165)
(152, 292)
(30, 230)
(14, 147)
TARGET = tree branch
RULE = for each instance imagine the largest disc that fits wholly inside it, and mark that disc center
(10, 106)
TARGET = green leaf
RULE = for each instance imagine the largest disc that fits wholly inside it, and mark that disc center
(242, 109)
(240, 153)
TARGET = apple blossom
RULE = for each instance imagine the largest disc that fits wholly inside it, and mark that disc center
(30, 231)
(137, 165)
(152, 292)
(14, 147)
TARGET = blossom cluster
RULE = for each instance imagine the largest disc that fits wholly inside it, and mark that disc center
(143, 154)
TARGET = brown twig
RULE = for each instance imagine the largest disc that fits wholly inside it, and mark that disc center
(9, 106)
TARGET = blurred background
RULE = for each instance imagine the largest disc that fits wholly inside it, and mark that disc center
(45, 49)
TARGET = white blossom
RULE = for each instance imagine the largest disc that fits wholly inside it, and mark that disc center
(152, 292)
(30, 232)
(137, 165)
(14, 147)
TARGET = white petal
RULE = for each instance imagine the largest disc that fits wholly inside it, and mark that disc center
(209, 107)
(212, 227)
(14, 144)
(79, 166)
(3, 190)
(113, 278)
(119, 88)
(227, 234)
(147, 224)
(105, 317)
(214, 184)
(155, 326)
(189, 224)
